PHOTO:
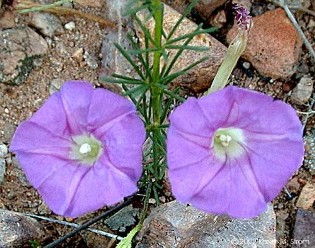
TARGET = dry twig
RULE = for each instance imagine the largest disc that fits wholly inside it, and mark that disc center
(25, 6)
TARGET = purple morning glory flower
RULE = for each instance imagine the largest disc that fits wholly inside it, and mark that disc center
(82, 149)
(231, 152)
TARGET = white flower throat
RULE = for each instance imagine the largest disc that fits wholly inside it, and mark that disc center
(228, 142)
(86, 149)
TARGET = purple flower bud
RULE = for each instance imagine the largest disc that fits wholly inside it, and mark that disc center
(82, 149)
(232, 151)
(242, 16)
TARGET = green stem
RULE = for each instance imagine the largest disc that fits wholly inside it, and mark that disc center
(158, 16)
(155, 90)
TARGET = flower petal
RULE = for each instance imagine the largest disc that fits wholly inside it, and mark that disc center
(274, 169)
(106, 109)
(183, 178)
(123, 145)
(253, 110)
(188, 118)
(232, 191)
(217, 108)
(33, 138)
(182, 151)
(76, 99)
(52, 112)
(55, 179)
(102, 185)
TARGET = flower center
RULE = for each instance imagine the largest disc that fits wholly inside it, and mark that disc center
(225, 139)
(86, 148)
(228, 142)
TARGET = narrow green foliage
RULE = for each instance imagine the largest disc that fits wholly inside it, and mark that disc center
(119, 80)
(169, 78)
(150, 90)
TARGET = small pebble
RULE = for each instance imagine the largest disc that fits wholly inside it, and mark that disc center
(311, 24)
(2, 169)
(70, 26)
(246, 65)
(78, 54)
(90, 60)
(162, 199)
(3, 150)
(55, 85)
(6, 111)
(303, 91)
(152, 201)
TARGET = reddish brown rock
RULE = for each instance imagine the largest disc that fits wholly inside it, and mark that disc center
(206, 7)
(274, 46)
(47, 24)
(7, 20)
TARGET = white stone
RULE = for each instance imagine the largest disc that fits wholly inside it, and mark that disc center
(70, 26)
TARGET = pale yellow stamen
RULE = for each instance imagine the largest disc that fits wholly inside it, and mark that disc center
(225, 139)
(85, 148)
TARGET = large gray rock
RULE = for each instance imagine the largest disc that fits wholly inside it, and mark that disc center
(48, 24)
(123, 219)
(16, 230)
(112, 60)
(19, 47)
(175, 225)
